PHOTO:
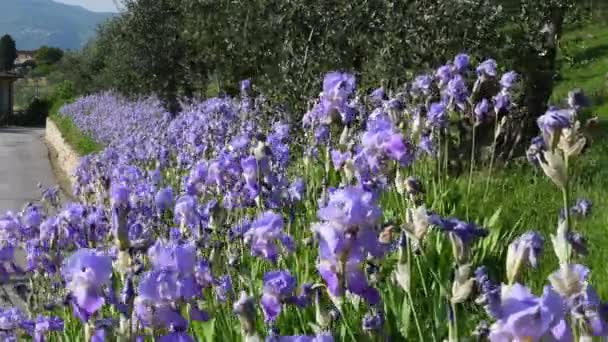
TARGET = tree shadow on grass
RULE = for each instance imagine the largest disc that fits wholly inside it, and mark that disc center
(590, 54)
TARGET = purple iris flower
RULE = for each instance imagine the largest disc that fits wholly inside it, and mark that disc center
(39, 327)
(281, 130)
(351, 206)
(508, 80)
(245, 86)
(153, 305)
(502, 103)
(378, 96)
(338, 86)
(578, 242)
(86, 271)
(351, 271)
(394, 104)
(346, 238)
(555, 119)
(239, 143)
(528, 247)
(11, 319)
(321, 134)
(437, 115)
(264, 235)
(422, 85)
(250, 171)
(462, 234)
(537, 145)
(582, 207)
(186, 211)
(176, 336)
(338, 158)
(487, 68)
(398, 149)
(426, 145)
(590, 312)
(297, 190)
(120, 195)
(372, 322)
(223, 288)
(577, 99)
(164, 199)
(525, 316)
(489, 292)
(322, 337)
(569, 280)
(457, 91)
(279, 287)
(172, 256)
(525, 249)
(462, 62)
(32, 217)
(444, 74)
(481, 111)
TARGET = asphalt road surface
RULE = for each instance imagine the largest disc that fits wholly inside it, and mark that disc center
(24, 163)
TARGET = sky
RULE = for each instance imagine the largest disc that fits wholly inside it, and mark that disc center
(93, 5)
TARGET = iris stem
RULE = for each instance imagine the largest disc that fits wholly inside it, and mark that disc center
(446, 154)
(492, 157)
(455, 321)
(409, 291)
(418, 328)
(472, 167)
(439, 156)
(566, 196)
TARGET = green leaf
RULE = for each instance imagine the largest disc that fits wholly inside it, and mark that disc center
(208, 329)
(494, 218)
(406, 316)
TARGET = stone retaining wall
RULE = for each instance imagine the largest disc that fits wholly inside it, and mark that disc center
(63, 157)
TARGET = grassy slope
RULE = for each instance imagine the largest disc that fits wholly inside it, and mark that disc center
(584, 58)
(585, 65)
(82, 143)
(529, 201)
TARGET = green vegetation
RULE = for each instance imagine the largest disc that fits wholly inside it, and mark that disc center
(8, 53)
(584, 64)
(526, 198)
(509, 200)
(80, 141)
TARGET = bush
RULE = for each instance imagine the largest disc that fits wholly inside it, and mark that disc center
(34, 115)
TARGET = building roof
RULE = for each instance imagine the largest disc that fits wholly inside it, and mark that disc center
(27, 52)
(9, 75)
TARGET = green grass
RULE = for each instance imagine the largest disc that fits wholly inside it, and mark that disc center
(528, 200)
(82, 143)
(584, 64)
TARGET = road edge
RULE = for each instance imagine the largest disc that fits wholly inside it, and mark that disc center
(63, 158)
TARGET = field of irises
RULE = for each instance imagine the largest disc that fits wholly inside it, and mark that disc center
(228, 222)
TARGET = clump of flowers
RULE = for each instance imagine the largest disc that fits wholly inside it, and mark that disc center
(346, 237)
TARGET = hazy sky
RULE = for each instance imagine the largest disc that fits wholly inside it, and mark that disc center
(93, 5)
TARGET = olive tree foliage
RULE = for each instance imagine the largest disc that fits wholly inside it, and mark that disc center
(149, 51)
(285, 46)
(176, 48)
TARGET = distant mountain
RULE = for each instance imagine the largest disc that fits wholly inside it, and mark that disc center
(33, 23)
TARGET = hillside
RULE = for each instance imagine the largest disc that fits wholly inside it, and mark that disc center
(33, 23)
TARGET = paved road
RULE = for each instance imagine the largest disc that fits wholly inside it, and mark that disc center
(24, 163)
